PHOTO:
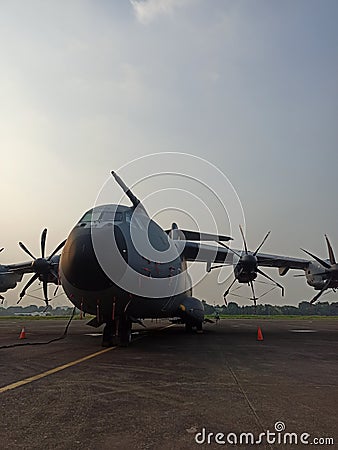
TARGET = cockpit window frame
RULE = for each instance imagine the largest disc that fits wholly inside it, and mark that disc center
(116, 216)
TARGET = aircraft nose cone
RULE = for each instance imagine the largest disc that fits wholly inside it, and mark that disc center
(79, 263)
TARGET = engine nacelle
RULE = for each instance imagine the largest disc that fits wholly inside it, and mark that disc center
(192, 310)
(315, 276)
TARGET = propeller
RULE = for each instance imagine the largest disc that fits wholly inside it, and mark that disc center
(247, 267)
(43, 267)
(331, 269)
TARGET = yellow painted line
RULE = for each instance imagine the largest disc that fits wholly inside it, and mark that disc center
(51, 371)
(59, 368)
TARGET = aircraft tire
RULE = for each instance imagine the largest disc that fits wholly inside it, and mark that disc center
(199, 327)
(108, 335)
(188, 327)
(125, 332)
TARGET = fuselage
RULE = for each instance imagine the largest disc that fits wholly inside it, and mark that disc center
(119, 261)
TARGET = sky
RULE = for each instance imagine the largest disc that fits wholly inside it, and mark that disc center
(250, 86)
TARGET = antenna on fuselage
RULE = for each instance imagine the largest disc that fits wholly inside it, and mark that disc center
(135, 201)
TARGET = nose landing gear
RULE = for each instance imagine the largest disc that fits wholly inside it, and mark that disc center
(117, 332)
(189, 327)
(124, 331)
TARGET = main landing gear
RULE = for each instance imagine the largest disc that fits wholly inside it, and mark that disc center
(117, 332)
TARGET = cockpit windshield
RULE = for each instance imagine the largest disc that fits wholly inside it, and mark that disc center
(91, 216)
(102, 216)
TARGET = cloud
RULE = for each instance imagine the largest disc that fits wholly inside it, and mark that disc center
(148, 10)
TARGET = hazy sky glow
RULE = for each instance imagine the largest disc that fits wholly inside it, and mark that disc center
(251, 86)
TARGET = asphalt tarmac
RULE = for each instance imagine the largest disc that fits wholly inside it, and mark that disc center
(163, 390)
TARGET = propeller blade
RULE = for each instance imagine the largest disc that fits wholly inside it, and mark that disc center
(30, 282)
(45, 288)
(228, 248)
(1, 249)
(299, 275)
(228, 290)
(58, 280)
(331, 254)
(25, 249)
(244, 241)
(321, 261)
(326, 285)
(56, 290)
(43, 242)
(260, 246)
(253, 293)
(57, 249)
(271, 279)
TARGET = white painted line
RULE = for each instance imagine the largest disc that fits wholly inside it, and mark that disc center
(303, 331)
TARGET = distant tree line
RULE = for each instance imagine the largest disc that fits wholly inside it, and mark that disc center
(57, 311)
(303, 309)
(232, 309)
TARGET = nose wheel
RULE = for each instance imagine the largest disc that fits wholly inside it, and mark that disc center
(188, 327)
(124, 331)
(109, 334)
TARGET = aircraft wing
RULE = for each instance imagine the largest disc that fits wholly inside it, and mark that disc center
(26, 267)
(178, 233)
(282, 262)
(18, 268)
(201, 252)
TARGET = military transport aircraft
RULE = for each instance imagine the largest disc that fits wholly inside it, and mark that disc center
(120, 266)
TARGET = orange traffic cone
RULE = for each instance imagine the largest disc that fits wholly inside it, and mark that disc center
(23, 333)
(259, 334)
